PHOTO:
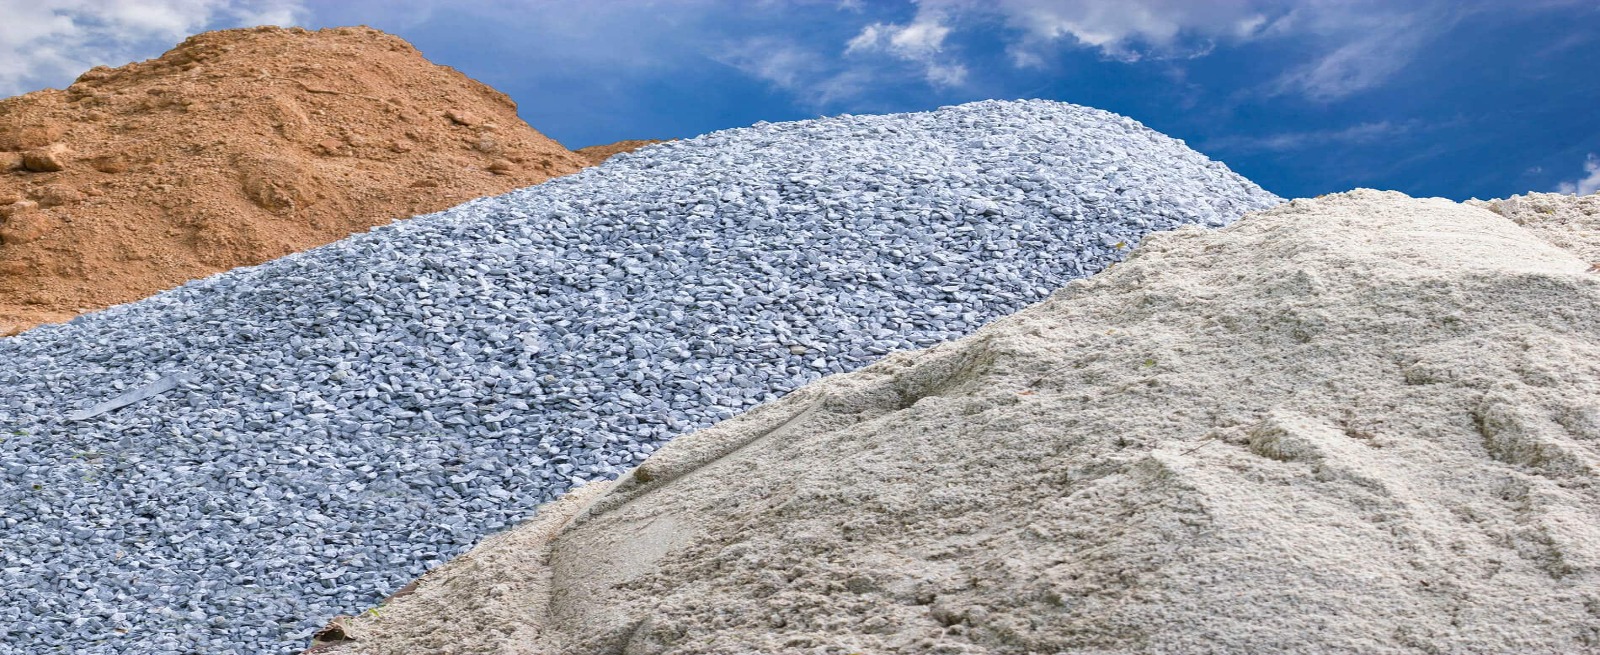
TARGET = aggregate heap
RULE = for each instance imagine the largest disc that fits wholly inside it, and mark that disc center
(322, 428)
(233, 148)
(1331, 427)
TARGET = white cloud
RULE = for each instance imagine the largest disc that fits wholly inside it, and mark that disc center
(1249, 25)
(871, 37)
(919, 39)
(47, 43)
(779, 62)
(788, 65)
(946, 74)
(1126, 30)
(920, 42)
(282, 13)
(1346, 46)
(1589, 183)
(1350, 68)
(880, 54)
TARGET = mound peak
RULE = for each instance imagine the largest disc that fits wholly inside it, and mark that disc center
(233, 148)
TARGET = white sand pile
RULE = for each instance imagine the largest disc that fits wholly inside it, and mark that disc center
(1363, 423)
(1572, 222)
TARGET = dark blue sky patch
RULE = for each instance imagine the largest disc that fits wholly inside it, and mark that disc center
(1457, 98)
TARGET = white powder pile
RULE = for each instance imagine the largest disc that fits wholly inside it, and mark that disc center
(1361, 423)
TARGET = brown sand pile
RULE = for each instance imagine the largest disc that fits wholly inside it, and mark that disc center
(1362, 423)
(596, 155)
(234, 148)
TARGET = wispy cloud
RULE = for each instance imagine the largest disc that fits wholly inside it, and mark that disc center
(1125, 30)
(813, 75)
(783, 63)
(1342, 47)
(1356, 46)
(1589, 183)
(49, 42)
(794, 67)
(1287, 141)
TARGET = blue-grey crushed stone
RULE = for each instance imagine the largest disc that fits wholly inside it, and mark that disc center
(353, 415)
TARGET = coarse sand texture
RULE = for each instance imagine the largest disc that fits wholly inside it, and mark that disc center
(1363, 423)
(1572, 222)
(233, 148)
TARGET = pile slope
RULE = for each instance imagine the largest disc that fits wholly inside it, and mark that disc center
(234, 148)
(1362, 423)
(309, 434)
(1568, 221)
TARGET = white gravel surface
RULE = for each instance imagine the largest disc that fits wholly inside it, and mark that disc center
(343, 419)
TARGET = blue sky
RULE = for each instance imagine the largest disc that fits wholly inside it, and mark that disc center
(1456, 99)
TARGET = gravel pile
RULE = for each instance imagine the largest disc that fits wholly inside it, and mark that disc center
(302, 437)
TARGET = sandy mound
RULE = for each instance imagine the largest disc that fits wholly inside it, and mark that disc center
(595, 155)
(234, 148)
(1572, 222)
(1363, 423)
